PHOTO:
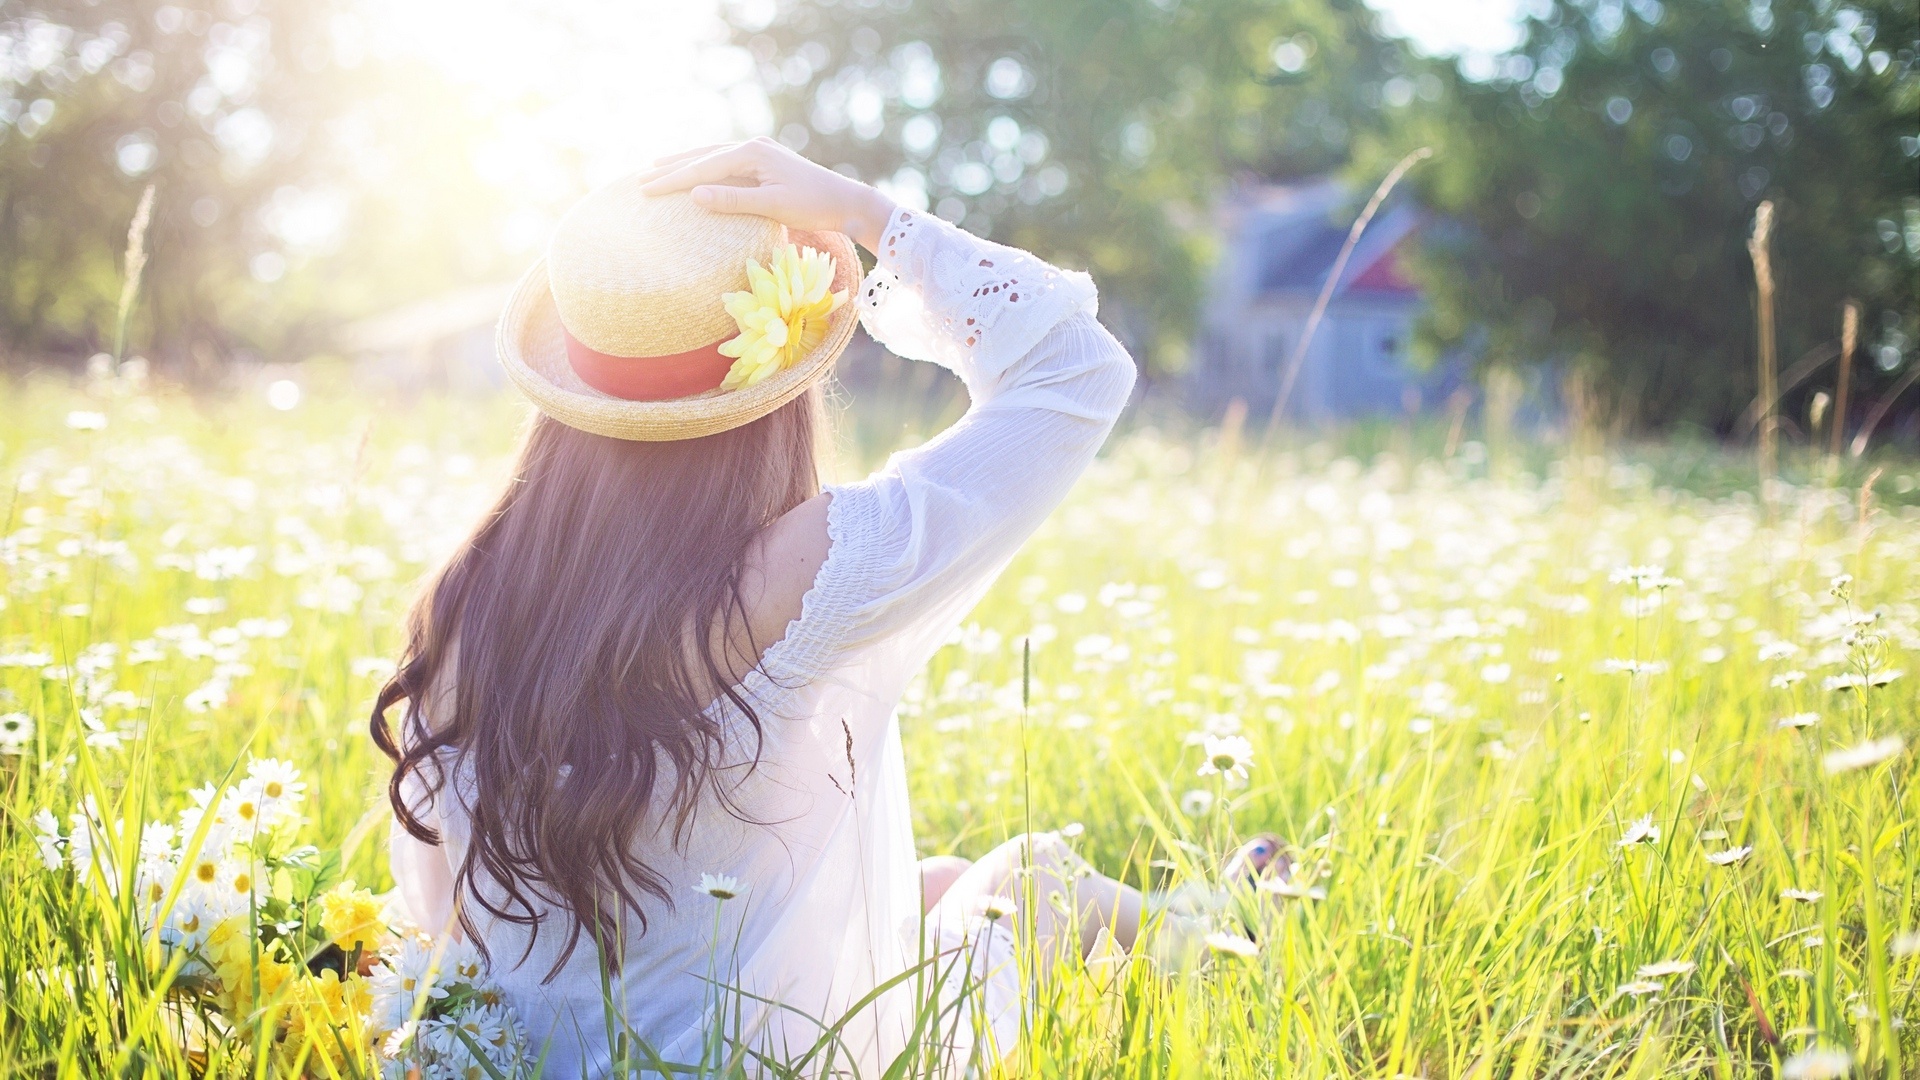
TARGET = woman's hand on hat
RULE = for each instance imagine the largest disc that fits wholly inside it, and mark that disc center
(789, 189)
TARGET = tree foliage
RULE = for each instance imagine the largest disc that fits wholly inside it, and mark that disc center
(1602, 184)
(1593, 191)
(1098, 132)
(218, 104)
(283, 147)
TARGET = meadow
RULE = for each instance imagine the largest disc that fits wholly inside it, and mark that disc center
(1589, 773)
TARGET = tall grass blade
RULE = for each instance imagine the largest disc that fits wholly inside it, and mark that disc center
(133, 266)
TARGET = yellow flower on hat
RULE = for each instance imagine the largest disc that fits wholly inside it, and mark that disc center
(782, 317)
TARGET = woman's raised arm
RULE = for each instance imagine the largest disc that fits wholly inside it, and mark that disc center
(911, 548)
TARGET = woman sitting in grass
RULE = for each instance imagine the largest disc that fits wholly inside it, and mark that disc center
(648, 760)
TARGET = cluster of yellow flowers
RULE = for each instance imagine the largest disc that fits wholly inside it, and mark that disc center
(319, 1013)
(260, 938)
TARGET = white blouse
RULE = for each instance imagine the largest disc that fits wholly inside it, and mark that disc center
(830, 908)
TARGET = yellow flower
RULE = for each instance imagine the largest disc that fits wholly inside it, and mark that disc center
(350, 916)
(231, 950)
(782, 317)
(325, 1018)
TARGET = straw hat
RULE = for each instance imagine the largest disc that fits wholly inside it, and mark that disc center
(616, 332)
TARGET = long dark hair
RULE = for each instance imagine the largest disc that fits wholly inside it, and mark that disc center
(591, 612)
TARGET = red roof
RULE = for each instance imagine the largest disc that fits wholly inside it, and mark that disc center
(1383, 276)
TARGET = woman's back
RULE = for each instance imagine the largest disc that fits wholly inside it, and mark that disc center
(802, 797)
(804, 916)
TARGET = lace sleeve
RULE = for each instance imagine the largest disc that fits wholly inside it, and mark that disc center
(916, 544)
(967, 304)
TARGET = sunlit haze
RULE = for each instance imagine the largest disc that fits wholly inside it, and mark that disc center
(555, 97)
(616, 81)
(1454, 27)
(564, 95)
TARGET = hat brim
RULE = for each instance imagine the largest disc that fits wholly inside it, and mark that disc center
(532, 348)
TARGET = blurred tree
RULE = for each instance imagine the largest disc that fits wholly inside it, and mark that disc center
(1096, 132)
(220, 104)
(1602, 181)
(279, 141)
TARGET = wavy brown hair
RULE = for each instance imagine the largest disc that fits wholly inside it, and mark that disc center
(592, 611)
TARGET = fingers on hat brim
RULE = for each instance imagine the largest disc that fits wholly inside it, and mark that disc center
(728, 199)
(737, 160)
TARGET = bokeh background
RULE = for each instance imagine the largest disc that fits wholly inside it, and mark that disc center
(358, 181)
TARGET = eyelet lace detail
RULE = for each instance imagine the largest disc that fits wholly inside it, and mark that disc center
(964, 303)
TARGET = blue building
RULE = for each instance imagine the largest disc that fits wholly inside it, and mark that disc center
(1280, 243)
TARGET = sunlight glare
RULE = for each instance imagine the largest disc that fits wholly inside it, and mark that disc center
(570, 94)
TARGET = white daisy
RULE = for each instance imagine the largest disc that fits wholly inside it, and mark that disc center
(396, 1048)
(1227, 944)
(46, 835)
(16, 733)
(1730, 856)
(404, 974)
(443, 1037)
(1643, 577)
(461, 962)
(1853, 680)
(206, 803)
(277, 785)
(84, 832)
(1817, 1063)
(719, 886)
(240, 882)
(995, 908)
(152, 882)
(191, 919)
(241, 806)
(1290, 889)
(1227, 755)
(157, 842)
(208, 696)
(1640, 830)
(1798, 720)
(1665, 968)
(1802, 896)
(1866, 755)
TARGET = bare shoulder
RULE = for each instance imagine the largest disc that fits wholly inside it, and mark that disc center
(779, 569)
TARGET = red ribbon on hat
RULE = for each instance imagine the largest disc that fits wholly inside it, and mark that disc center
(649, 378)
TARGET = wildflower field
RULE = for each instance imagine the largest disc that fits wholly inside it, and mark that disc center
(1588, 773)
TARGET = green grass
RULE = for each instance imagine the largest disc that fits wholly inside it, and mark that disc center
(1423, 651)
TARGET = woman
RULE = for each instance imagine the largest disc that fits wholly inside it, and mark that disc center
(665, 664)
